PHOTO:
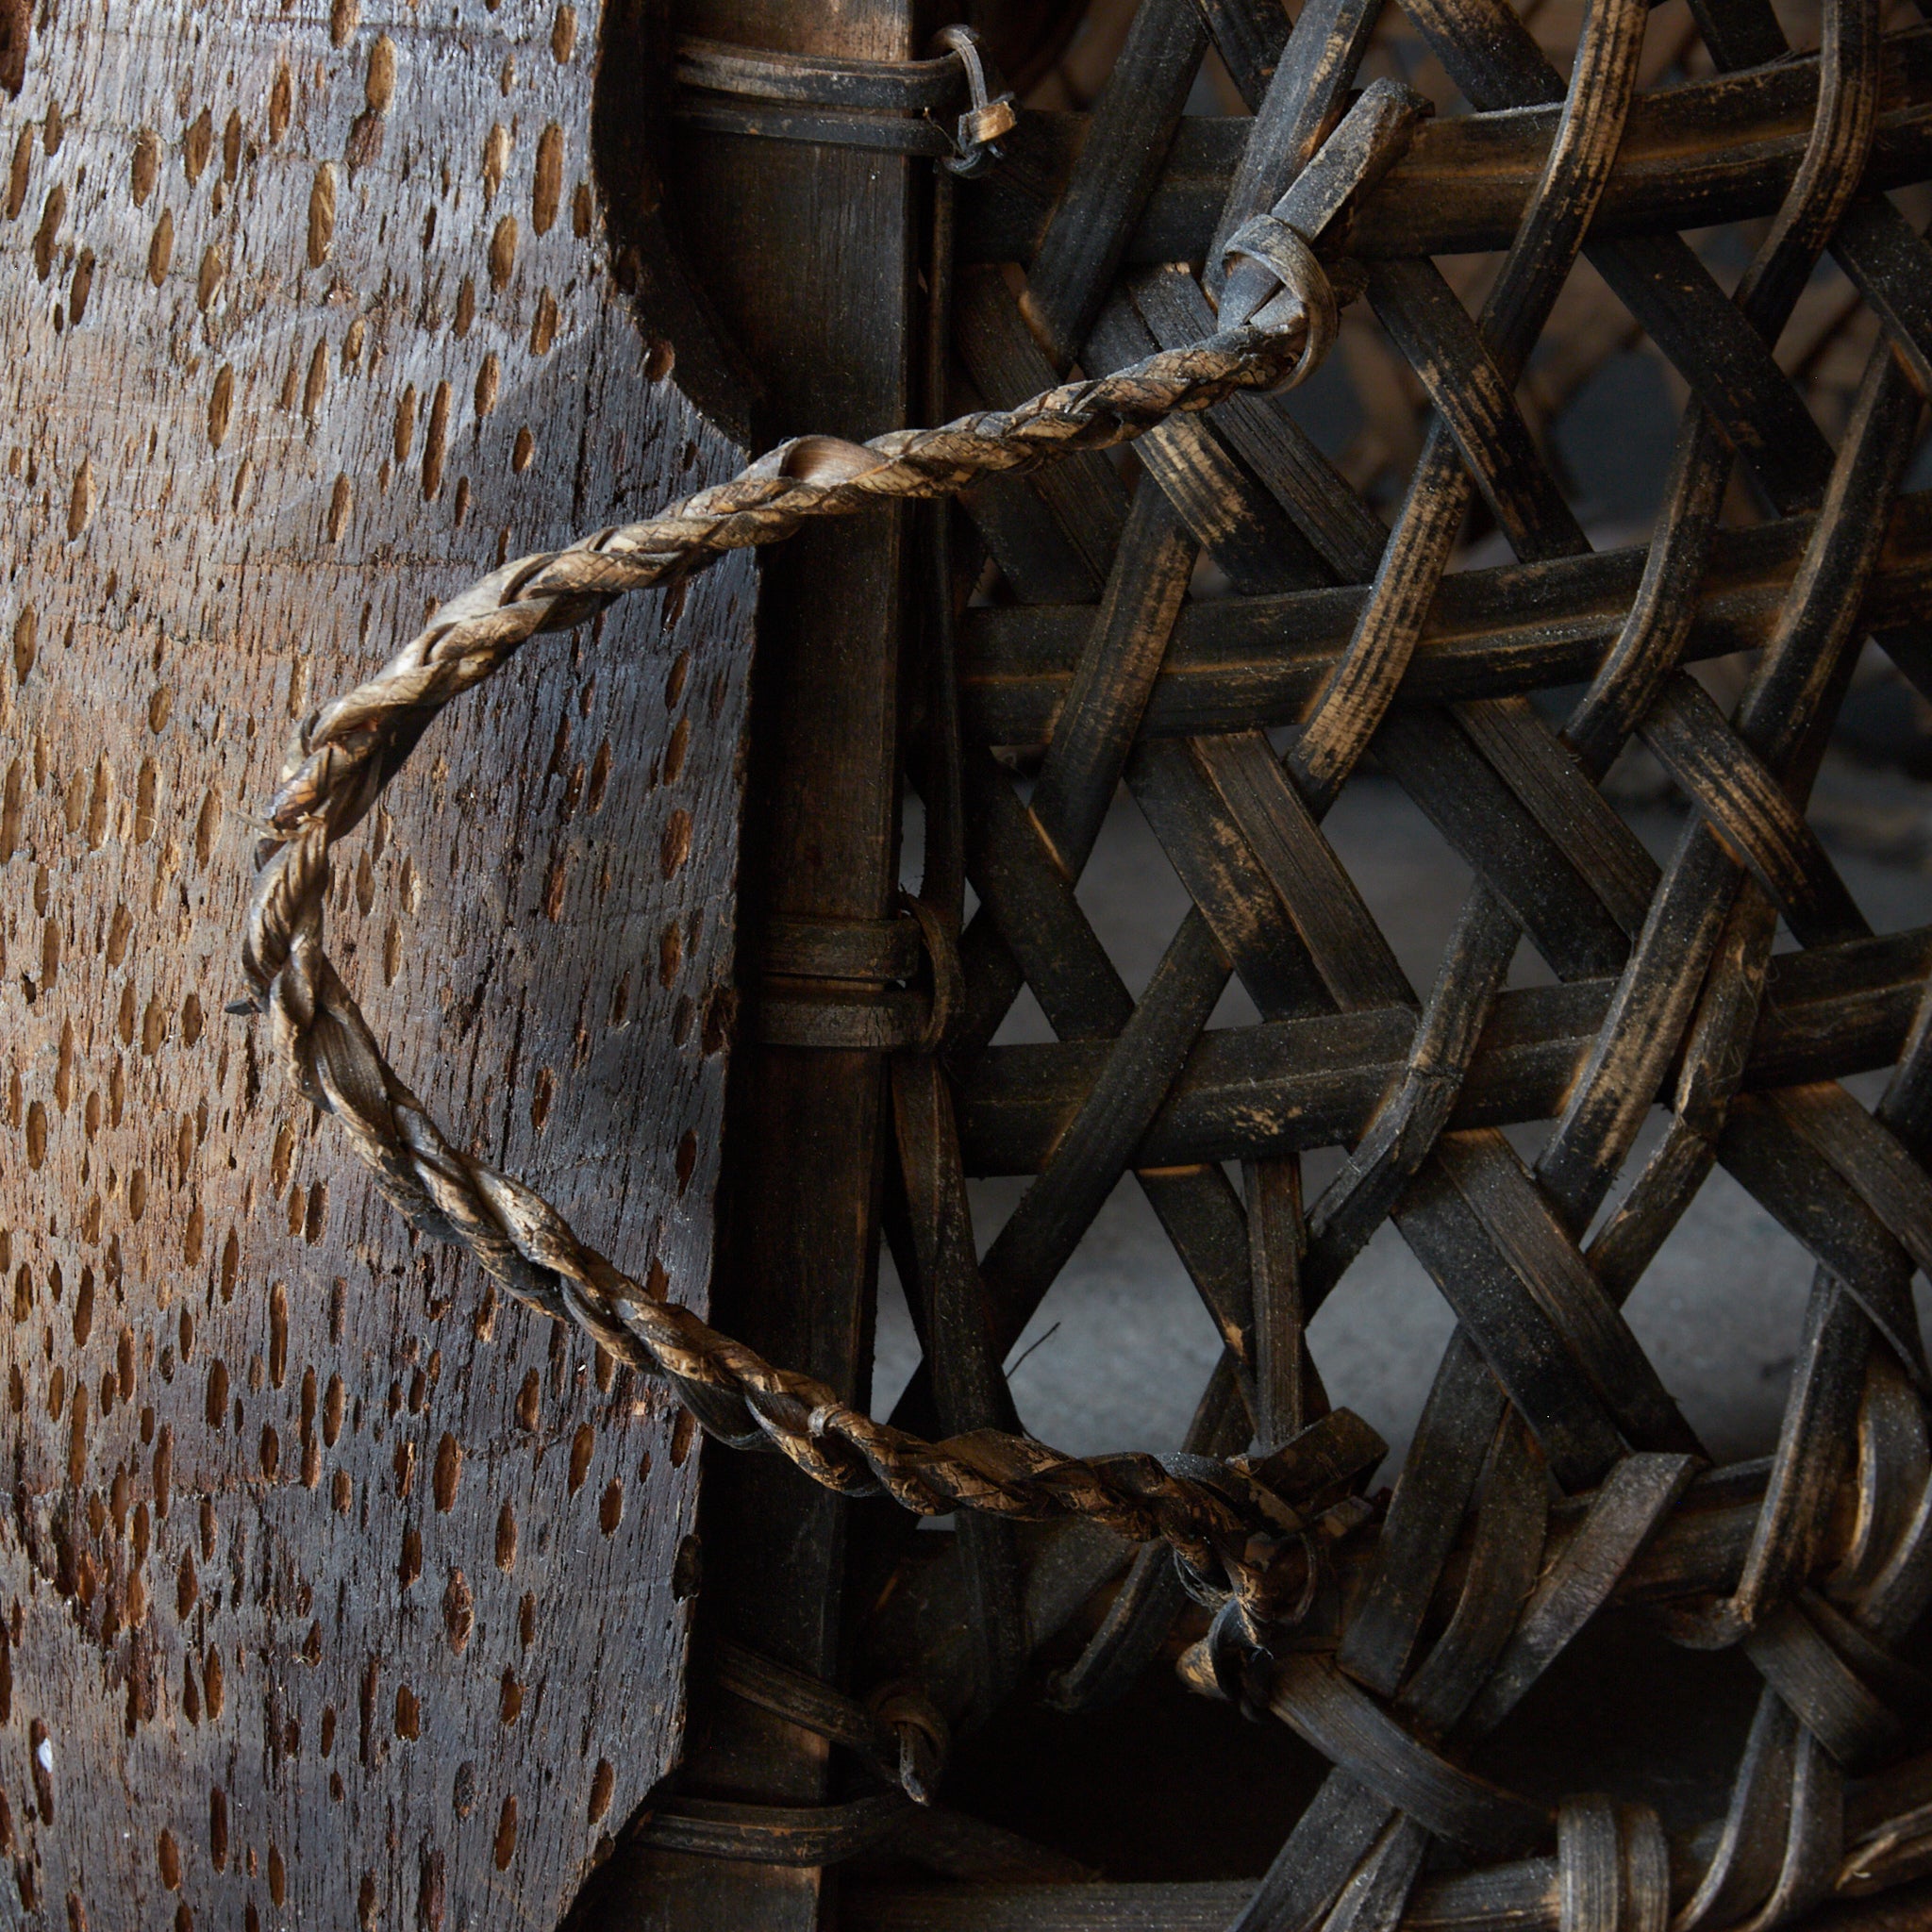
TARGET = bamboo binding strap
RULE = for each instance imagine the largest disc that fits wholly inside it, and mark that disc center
(898, 1732)
(860, 959)
(1243, 1521)
(874, 103)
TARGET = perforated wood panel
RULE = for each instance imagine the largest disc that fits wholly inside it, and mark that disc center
(333, 1587)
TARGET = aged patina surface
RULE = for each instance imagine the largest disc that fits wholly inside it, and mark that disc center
(335, 1584)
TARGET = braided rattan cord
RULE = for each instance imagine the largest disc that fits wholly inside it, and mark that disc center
(348, 751)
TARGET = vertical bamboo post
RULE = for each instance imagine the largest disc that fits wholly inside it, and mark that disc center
(810, 255)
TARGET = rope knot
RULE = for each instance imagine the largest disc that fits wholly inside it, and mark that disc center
(988, 115)
(941, 946)
(1268, 1594)
(1307, 295)
(922, 1733)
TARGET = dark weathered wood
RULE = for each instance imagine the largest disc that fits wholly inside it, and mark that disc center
(1294, 1085)
(1339, 527)
(1552, 1474)
(1750, 810)
(1206, 1907)
(1518, 627)
(1554, 899)
(1249, 35)
(1464, 182)
(1275, 1240)
(1246, 532)
(1545, 1368)
(1084, 495)
(1324, 53)
(1150, 1597)
(831, 339)
(1521, 1897)
(1893, 268)
(1472, 397)
(1116, 169)
(338, 1585)
(960, 1346)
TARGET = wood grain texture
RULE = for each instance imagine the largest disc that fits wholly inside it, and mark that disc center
(335, 1590)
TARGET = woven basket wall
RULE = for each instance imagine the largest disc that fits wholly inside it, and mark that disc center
(1607, 1026)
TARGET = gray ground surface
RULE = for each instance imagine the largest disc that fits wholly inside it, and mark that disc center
(1122, 1348)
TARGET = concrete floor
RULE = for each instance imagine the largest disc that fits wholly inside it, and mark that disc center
(1121, 1348)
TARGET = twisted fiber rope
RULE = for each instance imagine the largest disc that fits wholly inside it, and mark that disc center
(346, 753)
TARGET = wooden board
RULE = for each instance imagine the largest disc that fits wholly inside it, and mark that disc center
(333, 1588)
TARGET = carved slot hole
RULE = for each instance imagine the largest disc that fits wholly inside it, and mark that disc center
(449, 1468)
(16, 26)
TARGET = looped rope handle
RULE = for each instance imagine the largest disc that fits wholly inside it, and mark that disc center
(346, 753)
